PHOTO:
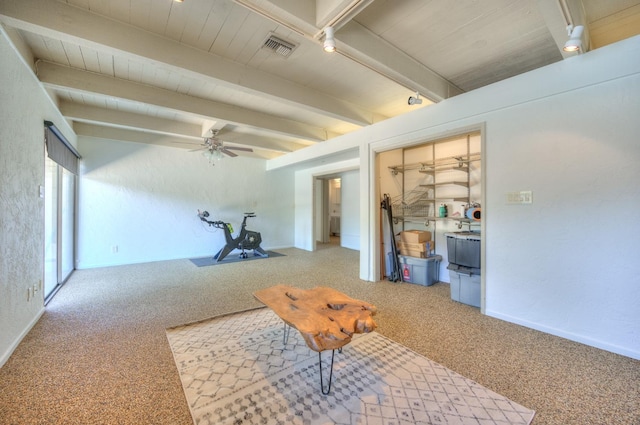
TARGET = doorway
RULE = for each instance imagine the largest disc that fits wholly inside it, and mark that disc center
(335, 214)
(328, 210)
(422, 179)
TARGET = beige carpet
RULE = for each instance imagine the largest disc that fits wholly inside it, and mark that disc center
(236, 369)
(100, 355)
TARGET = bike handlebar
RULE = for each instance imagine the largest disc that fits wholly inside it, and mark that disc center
(203, 216)
(220, 224)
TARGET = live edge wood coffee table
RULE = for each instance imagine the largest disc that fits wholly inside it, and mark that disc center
(325, 318)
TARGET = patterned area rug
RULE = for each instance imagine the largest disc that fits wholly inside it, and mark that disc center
(235, 369)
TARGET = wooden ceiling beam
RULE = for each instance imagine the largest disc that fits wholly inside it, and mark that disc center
(111, 118)
(84, 129)
(357, 43)
(74, 25)
(56, 76)
(361, 45)
(127, 120)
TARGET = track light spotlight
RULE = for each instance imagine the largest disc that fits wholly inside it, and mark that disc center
(574, 44)
(415, 100)
(329, 45)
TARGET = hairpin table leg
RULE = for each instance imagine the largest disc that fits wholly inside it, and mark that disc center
(333, 353)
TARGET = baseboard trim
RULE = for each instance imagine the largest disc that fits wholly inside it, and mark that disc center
(18, 340)
(88, 266)
(602, 345)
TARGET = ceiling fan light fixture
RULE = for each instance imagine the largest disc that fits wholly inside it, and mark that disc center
(574, 43)
(329, 44)
(209, 155)
(215, 150)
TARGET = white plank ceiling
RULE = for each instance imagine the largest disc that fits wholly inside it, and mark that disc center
(166, 72)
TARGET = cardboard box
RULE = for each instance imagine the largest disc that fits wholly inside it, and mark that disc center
(415, 236)
(422, 246)
(415, 254)
(419, 250)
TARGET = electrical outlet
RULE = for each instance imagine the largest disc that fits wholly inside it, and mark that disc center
(114, 249)
(35, 288)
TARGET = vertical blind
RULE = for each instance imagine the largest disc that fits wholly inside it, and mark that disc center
(59, 149)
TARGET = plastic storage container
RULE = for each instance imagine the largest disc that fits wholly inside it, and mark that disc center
(422, 271)
(463, 248)
(465, 284)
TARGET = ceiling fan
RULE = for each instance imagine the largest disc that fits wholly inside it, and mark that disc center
(214, 148)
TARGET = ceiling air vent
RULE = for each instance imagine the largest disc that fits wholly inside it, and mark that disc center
(279, 46)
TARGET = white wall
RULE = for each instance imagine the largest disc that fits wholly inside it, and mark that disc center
(143, 199)
(24, 106)
(350, 210)
(566, 264)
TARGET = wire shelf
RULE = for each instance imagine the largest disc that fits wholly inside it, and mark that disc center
(419, 202)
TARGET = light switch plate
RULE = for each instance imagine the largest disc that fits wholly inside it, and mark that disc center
(518, 198)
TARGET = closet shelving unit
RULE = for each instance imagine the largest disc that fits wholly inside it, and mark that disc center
(420, 203)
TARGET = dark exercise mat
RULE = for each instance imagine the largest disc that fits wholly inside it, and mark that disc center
(232, 258)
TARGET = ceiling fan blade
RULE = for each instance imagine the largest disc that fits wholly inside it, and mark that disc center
(228, 152)
(239, 149)
(199, 149)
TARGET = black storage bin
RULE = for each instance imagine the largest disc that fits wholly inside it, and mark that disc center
(463, 248)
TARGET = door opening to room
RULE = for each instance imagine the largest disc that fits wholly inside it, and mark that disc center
(334, 210)
(431, 228)
(328, 211)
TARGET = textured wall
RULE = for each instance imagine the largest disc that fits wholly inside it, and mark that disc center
(568, 262)
(143, 199)
(23, 108)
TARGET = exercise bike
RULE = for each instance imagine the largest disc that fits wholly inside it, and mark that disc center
(246, 239)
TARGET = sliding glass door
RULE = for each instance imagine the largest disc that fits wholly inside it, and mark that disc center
(50, 226)
(67, 224)
(60, 189)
